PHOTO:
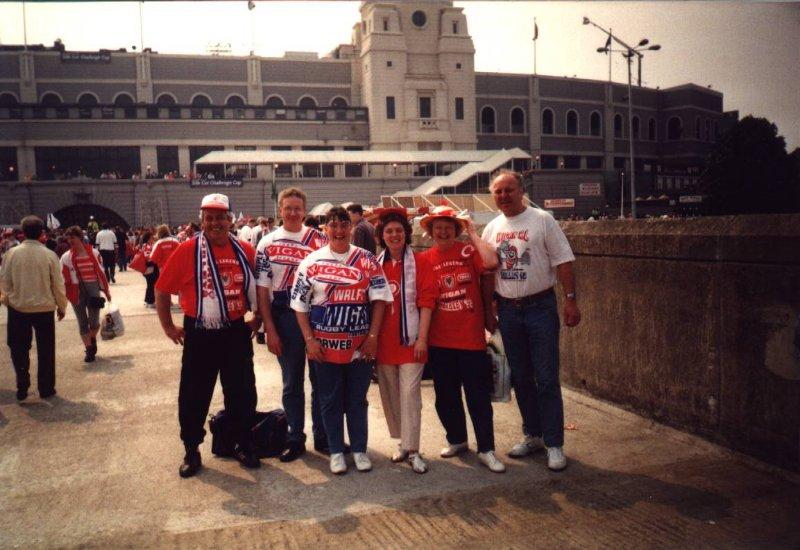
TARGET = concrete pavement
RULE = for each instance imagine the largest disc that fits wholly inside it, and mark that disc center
(97, 466)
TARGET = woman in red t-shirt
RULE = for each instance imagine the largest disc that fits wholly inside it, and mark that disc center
(151, 272)
(457, 353)
(84, 279)
(403, 339)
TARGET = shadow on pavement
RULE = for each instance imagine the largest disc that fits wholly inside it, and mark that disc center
(113, 364)
(58, 409)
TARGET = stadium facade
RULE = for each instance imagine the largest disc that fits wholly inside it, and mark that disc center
(406, 83)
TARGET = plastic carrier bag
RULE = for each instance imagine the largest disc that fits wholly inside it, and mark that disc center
(112, 325)
(501, 373)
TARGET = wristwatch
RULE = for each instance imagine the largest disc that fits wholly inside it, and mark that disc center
(570, 295)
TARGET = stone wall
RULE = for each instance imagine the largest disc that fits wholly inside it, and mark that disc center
(693, 323)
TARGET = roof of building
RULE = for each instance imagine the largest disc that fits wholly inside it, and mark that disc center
(341, 157)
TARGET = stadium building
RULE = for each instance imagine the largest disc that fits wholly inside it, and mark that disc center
(399, 110)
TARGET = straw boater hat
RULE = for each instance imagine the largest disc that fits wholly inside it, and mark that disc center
(443, 212)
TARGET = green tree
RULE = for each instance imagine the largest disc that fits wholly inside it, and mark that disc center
(749, 171)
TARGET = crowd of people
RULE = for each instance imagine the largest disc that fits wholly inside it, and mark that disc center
(322, 301)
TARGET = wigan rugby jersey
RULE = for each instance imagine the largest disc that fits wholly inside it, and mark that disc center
(338, 294)
(277, 256)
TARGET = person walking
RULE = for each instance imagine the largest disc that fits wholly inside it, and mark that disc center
(533, 254)
(403, 339)
(106, 242)
(339, 294)
(151, 269)
(213, 276)
(457, 352)
(277, 257)
(122, 248)
(84, 280)
(32, 288)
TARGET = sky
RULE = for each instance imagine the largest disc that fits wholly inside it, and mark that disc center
(750, 51)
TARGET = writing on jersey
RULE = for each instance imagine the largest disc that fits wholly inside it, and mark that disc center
(279, 254)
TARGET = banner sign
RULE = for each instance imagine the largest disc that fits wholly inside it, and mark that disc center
(590, 189)
(102, 56)
(690, 198)
(559, 203)
(204, 182)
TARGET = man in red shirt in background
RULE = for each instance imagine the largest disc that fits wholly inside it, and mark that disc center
(213, 276)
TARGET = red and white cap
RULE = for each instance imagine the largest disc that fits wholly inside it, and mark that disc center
(215, 201)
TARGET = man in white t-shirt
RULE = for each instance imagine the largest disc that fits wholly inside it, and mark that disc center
(278, 255)
(533, 253)
(107, 244)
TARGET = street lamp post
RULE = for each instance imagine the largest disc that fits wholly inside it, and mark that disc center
(628, 53)
(275, 192)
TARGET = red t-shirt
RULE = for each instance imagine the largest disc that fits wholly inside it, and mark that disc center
(85, 267)
(390, 351)
(162, 251)
(458, 318)
(178, 276)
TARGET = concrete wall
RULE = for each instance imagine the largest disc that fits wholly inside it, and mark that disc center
(693, 323)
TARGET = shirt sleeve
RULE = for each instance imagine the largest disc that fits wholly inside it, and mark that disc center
(178, 268)
(427, 289)
(263, 266)
(556, 243)
(302, 289)
(378, 285)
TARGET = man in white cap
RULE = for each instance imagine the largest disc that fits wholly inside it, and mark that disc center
(533, 254)
(213, 274)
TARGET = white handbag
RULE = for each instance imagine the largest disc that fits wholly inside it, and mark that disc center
(501, 373)
(112, 325)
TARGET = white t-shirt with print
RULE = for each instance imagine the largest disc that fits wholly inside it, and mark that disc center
(529, 245)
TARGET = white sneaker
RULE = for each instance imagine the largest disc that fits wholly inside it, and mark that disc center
(338, 465)
(417, 464)
(453, 449)
(399, 455)
(556, 460)
(489, 459)
(524, 448)
(363, 463)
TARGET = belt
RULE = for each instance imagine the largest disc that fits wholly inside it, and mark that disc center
(525, 300)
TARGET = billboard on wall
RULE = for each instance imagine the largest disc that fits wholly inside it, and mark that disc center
(559, 203)
(590, 189)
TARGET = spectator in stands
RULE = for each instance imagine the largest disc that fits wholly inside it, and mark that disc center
(32, 289)
(84, 279)
(363, 232)
(106, 241)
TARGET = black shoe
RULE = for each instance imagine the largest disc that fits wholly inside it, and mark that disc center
(90, 354)
(47, 394)
(261, 338)
(246, 457)
(22, 395)
(191, 463)
(293, 452)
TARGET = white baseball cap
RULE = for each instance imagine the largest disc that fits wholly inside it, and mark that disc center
(215, 201)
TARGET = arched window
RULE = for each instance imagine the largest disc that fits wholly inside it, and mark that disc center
(517, 120)
(635, 123)
(572, 123)
(51, 99)
(697, 130)
(307, 102)
(618, 133)
(674, 128)
(708, 130)
(274, 102)
(87, 100)
(234, 101)
(8, 100)
(487, 120)
(165, 100)
(596, 124)
(201, 100)
(339, 102)
(651, 129)
(123, 100)
(547, 122)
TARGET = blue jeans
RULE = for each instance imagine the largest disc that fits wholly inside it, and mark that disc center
(343, 390)
(530, 339)
(293, 368)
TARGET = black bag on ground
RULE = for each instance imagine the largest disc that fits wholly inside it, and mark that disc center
(268, 434)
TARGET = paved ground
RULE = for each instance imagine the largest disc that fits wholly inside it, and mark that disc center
(97, 466)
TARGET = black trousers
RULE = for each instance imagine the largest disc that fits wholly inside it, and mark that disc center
(109, 257)
(206, 353)
(452, 369)
(150, 291)
(20, 328)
